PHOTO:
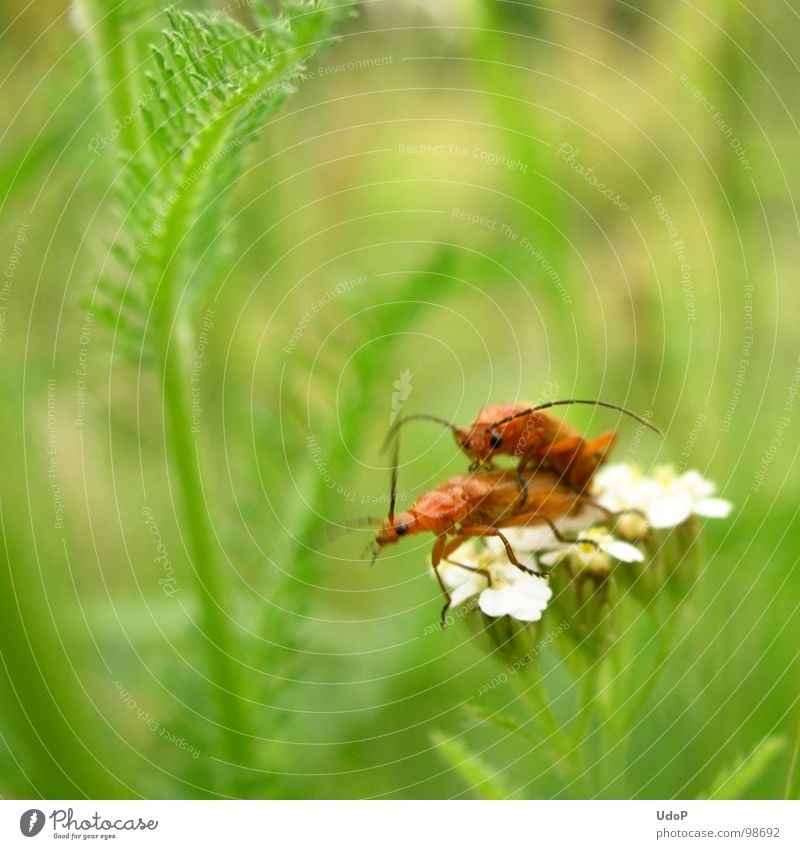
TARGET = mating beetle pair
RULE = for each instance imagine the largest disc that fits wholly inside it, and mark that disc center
(555, 467)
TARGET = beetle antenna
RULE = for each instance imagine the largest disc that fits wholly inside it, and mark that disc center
(566, 401)
(395, 428)
(359, 522)
(393, 479)
(372, 550)
(335, 530)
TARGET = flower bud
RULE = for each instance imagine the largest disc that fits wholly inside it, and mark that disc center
(633, 526)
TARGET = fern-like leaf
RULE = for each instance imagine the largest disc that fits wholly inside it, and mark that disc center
(733, 781)
(212, 84)
(481, 778)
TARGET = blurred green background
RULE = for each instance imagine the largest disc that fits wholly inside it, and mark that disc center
(508, 201)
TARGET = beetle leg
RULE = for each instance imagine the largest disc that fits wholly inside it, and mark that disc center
(439, 546)
(476, 569)
(610, 514)
(491, 531)
(561, 538)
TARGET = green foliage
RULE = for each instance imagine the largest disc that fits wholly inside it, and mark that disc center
(114, 30)
(734, 781)
(338, 670)
(210, 88)
(479, 777)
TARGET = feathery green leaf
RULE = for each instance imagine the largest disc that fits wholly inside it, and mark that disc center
(212, 85)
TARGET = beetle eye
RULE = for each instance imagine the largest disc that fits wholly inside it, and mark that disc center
(495, 439)
(401, 529)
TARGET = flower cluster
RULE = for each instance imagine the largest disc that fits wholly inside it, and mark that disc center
(480, 567)
(664, 500)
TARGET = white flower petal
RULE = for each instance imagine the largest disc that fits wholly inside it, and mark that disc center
(529, 538)
(461, 583)
(551, 558)
(466, 591)
(528, 610)
(453, 576)
(713, 508)
(696, 485)
(491, 545)
(669, 512)
(504, 572)
(513, 592)
(507, 573)
(535, 588)
(499, 602)
(623, 551)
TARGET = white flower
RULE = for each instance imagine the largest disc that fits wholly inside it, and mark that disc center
(530, 538)
(590, 550)
(515, 593)
(666, 499)
(502, 588)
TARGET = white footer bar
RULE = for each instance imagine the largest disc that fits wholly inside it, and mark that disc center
(401, 824)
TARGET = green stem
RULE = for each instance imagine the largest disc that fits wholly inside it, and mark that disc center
(588, 689)
(110, 30)
(533, 696)
(209, 145)
(202, 550)
(643, 693)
